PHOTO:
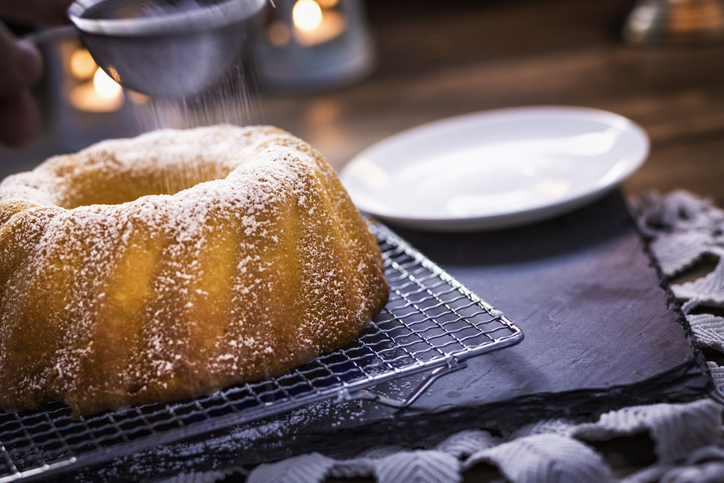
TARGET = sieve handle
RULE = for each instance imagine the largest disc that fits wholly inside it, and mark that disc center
(53, 35)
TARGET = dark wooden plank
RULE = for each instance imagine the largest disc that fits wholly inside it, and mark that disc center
(423, 36)
(695, 167)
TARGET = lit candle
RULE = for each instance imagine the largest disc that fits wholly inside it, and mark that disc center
(106, 87)
(307, 15)
(102, 94)
(315, 25)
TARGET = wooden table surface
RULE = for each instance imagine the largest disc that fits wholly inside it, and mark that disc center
(439, 59)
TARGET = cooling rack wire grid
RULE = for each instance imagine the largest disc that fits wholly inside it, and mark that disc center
(431, 324)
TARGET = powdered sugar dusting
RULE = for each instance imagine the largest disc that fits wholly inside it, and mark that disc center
(176, 263)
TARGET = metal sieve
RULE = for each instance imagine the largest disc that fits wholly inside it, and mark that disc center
(163, 48)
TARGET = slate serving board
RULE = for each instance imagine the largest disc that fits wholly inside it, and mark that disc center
(601, 332)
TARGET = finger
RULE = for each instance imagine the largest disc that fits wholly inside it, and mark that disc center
(20, 119)
(20, 63)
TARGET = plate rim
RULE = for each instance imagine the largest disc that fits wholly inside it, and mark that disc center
(517, 217)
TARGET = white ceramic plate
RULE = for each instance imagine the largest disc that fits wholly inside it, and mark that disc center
(495, 169)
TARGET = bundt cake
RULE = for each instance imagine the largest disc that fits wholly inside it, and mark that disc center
(174, 264)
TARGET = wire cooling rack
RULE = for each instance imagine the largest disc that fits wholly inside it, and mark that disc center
(430, 324)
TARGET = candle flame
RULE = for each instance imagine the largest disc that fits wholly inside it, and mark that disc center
(307, 15)
(101, 94)
(105, 86)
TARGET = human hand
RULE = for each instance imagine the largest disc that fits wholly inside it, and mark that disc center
(21, 67)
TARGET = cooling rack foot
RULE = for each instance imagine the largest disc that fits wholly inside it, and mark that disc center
(452, 365)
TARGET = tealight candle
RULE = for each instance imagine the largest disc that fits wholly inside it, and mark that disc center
(314, 25)
(307, 45)
(102, 94)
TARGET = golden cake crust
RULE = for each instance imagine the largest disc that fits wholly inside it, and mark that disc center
(176, 263)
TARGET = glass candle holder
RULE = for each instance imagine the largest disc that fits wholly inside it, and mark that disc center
(313, 45)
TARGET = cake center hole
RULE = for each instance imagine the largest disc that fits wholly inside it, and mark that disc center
(111, 187)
